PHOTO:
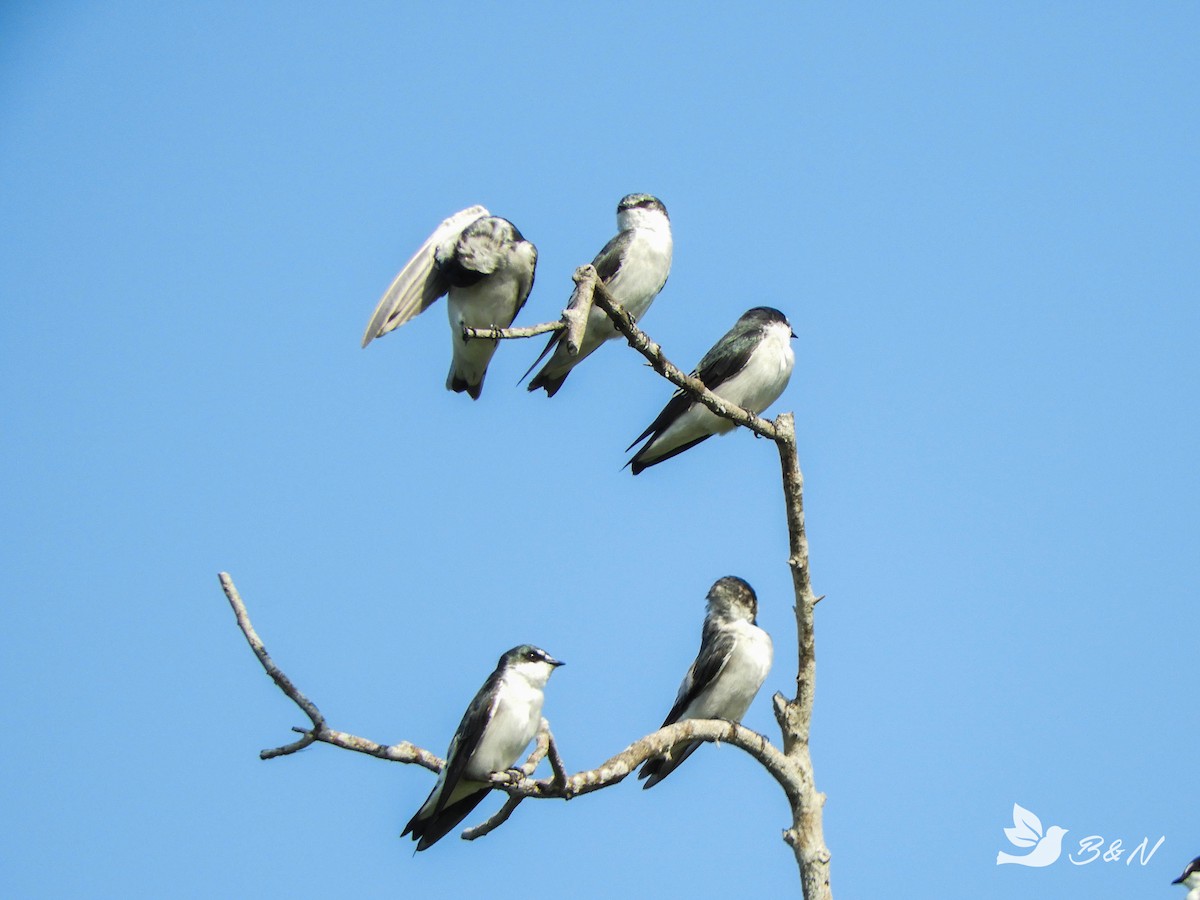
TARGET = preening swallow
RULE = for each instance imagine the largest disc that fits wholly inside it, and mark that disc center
(1190, 879)
(734, 659)
(749, 367)
(486, 267)
(633, 266)
(497, 726)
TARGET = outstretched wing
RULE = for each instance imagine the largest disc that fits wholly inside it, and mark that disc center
(419, 282)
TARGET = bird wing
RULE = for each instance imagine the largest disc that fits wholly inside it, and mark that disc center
(525, 278)
(716, 647)
(725, 358)
(729, 355)
(607, 263)
(419, 283)
(485, 245)
(608, 260)
(466, 739)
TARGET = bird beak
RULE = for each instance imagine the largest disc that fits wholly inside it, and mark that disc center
(555, 662)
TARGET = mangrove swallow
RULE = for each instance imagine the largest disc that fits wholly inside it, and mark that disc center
(497, 726)
(734, 659)
(485, 266)
(1190, 879)
(633, 266)
(749, 367)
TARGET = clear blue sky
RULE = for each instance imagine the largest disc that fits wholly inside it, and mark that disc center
(982, 221)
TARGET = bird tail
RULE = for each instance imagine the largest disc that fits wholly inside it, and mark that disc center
(543, 379)
(639, 462)
(457, 383)
(659, 767)
(427, 832)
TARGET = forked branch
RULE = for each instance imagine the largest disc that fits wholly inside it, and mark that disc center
(560, 785)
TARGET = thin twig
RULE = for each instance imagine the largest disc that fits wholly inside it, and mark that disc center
(503, 334)
(542, 744)
(268, 664)
(556, 765)
(403, 752)
(501, 816)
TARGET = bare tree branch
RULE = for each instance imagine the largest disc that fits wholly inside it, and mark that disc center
(791, 767)
(575, 317)
(518, 782)
(403, 752)
(500, 817)
(806, 836)
(284, 683)
(544, 743)
(501, 334)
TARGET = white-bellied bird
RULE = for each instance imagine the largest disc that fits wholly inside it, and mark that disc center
(497, 726)
(734, 659)
(633, 266)
(748, 367)
(485, 266)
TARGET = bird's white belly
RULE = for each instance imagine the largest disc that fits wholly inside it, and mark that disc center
(490, 303)
(730, 696)
(512, 727)
(764, 376)
(756, 387)
(643, 273)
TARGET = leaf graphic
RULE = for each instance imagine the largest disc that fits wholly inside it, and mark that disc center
(1027, 828)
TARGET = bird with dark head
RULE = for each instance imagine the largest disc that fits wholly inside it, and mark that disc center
(634, 266)
(1190, 879)
(748, 367)
(733, 662)
(497, 726)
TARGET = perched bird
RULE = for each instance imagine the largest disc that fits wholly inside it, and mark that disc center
(633, 266)
(1190, 879)
(734, 659)
(749, 367)
(486, 267)
(500, 722)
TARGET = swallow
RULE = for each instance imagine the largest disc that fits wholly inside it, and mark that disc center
(748, 367)
(733, 662)
(485, 266)
(497, 726)
(634, 266)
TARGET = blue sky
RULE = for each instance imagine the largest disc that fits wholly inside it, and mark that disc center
(982, 221)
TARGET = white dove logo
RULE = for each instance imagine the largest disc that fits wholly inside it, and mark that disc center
(1027, 832)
